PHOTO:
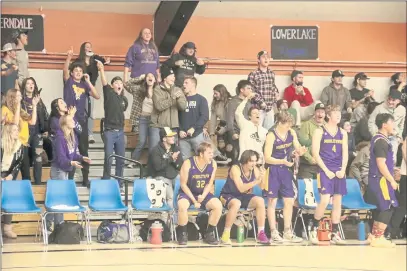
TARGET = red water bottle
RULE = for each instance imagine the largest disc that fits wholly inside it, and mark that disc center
(156, 230)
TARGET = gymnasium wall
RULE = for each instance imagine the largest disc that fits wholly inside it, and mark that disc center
(228, 45)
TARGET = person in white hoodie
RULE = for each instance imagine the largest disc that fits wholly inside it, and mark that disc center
(252, 133)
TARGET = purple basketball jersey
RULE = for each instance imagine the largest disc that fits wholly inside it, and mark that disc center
(198, 178)
(373, 168)
(230, 186)
(282, 148)
(331, 149)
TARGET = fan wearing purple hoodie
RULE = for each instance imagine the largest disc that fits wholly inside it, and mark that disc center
(66, 157)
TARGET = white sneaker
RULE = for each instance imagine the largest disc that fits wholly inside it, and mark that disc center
(291, 238)
(336, 239)
(276, 237)
(382, 242)
(313, 237)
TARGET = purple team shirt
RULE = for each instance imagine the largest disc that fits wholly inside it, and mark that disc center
(142, 59)
(76, 94)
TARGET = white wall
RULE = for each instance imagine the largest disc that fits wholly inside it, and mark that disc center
(51, 83)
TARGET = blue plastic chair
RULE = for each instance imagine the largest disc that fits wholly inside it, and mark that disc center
(105, 197)
(17, 198)
(219, 184)
(141, 203)
(63, 192)
(259, 192)
(303, 206)
(353, 200)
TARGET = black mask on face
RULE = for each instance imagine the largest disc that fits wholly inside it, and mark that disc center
(299, 84)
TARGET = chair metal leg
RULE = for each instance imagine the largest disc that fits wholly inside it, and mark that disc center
(296, 217)
(1, 231)
(341, 231)
(175, 229)
(86, 216)
(254, 225)
(129, 214)
(45, 229)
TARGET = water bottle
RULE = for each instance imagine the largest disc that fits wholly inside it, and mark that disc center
(361, 231)
(240, 234)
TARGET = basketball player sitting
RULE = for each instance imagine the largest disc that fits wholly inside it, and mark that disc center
(281, 145)
(330, 151)
(238, 193)
(381, 184)
(197, 177)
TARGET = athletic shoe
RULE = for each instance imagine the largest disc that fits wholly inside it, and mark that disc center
(225, 239)
(291, 238)
(262, 238)
(382, 242)
(313, 236)
(221, 159)
(276, 237)
(91, 139)
(336, 239)
(182, 238)
(211, 239)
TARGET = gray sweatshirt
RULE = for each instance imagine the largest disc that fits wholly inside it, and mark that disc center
(399, 114)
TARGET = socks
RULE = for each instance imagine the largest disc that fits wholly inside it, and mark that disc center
(260, 229)
(315, 224)
(210, 228)
(377, 233)
(335, 228)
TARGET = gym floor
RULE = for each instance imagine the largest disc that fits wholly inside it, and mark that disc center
(355, 256)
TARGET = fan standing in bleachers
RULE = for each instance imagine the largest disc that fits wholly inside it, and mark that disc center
(9, 71)
(89, 60)
(142, 57)
(141, 88)
(115, 104)
(20, 39)
(77, 89)
(30, 91)
(16, 115)
(11, 158)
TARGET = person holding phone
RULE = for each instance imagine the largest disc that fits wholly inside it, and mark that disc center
(77, 88)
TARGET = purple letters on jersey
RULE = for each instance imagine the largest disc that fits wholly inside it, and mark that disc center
(331, 149)
(282, 148)
(197, 178)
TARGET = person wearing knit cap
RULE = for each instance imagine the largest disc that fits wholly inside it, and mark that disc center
(167, 100)
(185, 63)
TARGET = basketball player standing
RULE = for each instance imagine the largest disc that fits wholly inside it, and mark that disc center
(330, 151)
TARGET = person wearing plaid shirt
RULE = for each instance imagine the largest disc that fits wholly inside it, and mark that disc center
(263, 82)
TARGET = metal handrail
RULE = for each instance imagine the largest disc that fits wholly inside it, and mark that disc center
(126, 180)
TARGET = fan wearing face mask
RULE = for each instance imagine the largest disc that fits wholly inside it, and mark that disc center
(89, 60)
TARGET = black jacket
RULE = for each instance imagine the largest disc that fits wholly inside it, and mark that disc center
(161, 164)
(42, 115)
(15, 163)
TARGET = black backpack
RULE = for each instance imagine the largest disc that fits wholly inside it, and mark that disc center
(66, 233)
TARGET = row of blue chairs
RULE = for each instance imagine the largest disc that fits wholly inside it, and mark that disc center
(18, 198)
(61, 197)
